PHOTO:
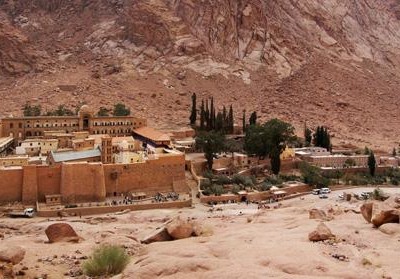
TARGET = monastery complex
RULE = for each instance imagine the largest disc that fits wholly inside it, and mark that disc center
(85, 158)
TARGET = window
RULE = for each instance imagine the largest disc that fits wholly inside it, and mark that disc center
(11, 125)
(20, 125)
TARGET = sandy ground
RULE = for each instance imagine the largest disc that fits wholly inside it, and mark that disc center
(251, 244)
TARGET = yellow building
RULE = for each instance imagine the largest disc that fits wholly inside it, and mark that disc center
(12, 161)
(288, 153)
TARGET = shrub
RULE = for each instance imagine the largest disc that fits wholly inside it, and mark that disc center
(105, 261)
(235, 189)
(222, 180)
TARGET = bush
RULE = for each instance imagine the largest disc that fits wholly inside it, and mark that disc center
(222, 180)
(105, 261)
(235, 189)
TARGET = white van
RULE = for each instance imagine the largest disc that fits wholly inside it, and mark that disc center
(325, 191)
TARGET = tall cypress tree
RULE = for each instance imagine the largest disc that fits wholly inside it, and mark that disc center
(202, 115)
(193, 114)
(219, 122)
(207, 117)
(371, 163)
(244, 121)
(230, 120)
(212, 114)
(253, 118)
(225, 124)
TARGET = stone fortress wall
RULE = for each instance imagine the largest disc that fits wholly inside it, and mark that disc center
(91, 182)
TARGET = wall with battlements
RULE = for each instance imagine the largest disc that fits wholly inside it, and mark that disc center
(88, 182)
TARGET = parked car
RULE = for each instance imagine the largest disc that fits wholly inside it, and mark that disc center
(325, 190)
(323, 196)
(341, 196)
(315, 192)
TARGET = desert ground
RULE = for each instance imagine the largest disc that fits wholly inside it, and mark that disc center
(241, 241)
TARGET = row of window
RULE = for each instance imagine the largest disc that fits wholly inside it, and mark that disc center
(46, 125)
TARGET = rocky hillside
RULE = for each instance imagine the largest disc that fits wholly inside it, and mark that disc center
(324, 62)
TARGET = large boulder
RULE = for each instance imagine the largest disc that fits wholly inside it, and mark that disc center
(61, 232)
(319, 215)
(390, 229)
(180, 229)
(322, 232)
(158, 235)
(366, 211)
(383, 212)
(11, 254)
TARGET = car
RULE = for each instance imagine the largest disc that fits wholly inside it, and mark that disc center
(315, 192)
(325, 190)
(323, 196)
(341, 196)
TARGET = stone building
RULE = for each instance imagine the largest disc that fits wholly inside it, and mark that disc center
(338, 161)
(21, 128)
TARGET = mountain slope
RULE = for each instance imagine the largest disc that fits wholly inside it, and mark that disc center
(324, 62)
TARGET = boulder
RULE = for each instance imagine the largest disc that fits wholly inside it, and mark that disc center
(180, 229)
(390, 229)
(158, 235)
(383, 213)
(346, 196)
(11, 254)
(61, 232)
(6, 270)
(366, 211)
(319, 215)
(322, 232)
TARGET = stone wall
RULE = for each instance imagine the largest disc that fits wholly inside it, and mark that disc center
(10, 185)
(90, 182)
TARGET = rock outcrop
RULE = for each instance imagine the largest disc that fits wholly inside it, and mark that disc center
(322, 232)
(61, 232)
(379, 213)
(11, 254)
(179, 229)
(390, 229)
(319, 214)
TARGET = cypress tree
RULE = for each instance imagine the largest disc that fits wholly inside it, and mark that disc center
(253, 118)
(202, 115)
(193, 114)
(225, 123)
(212, 114)
(244, 121)
(230, 119)
(371, 163)
(307, 135)
(207, 117)
(219, 122)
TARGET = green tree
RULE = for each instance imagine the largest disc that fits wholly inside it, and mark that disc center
(269, 139)
(193, 114)
(253, 118)
(307, 135)
(30, 110)
(202, 116)
(371, 163)
(230, 120)
(121, 110)
(103, 111)
(366, 151)
(244, 121)
(211, 143)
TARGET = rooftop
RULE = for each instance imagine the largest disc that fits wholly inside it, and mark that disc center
(75, 155)
(152, 134)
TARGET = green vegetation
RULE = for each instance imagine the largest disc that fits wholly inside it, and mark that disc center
(193, 113)
(103, 111)
(210, 120)
(211, 143)
(106, 260)
(270, 140)
(322, 138)
(307, 136)
(313, 176)
(253, 118)
(61, 110)
(32, 110)
(371, 163)
(121, 110)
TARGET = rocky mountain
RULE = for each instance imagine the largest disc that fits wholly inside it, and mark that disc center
(325, 62)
